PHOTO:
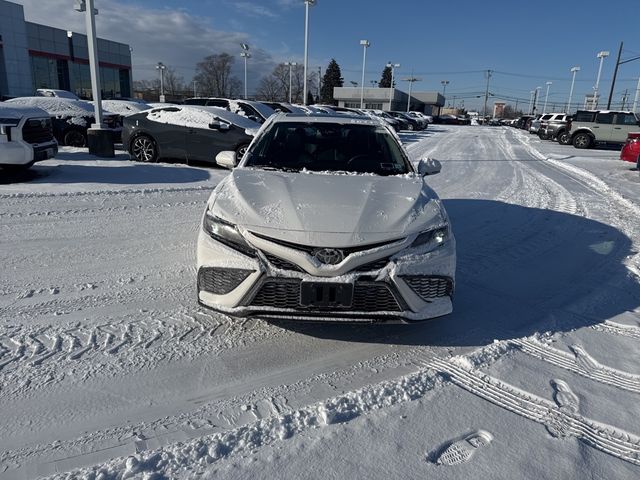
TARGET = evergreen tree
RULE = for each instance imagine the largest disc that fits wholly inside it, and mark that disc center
(385, 80)
(310, 100)
(332, 78)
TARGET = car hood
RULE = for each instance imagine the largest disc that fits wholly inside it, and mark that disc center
(333, 210)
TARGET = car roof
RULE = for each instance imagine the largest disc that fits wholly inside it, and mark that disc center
(325, 118)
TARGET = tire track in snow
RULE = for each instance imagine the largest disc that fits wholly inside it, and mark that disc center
(603, 437)
(580, 363)
(617, 329)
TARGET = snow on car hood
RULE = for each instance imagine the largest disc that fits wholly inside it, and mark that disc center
(328, 209)
(16, 112)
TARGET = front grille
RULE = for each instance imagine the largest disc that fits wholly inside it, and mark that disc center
(284, 293)
(375, 265)
(282, 263)
(428, 288)
(221, 281)
(37, 131)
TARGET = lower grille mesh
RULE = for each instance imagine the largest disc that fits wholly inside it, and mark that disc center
(367, 296)
(429, 288)
(221, 281)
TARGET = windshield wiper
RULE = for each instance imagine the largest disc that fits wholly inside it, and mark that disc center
(274, 168)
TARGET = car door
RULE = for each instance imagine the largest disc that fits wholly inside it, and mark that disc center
(624, 124)
(603, 126)
(203, 144)
(165, 127)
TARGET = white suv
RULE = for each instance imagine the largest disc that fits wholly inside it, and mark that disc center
(26, 137)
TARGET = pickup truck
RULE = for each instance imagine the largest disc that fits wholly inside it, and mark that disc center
(26, 137)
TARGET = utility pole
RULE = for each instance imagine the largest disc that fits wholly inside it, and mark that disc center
(535, 100)
(624, 98)
(615, 74)
(486, 97)
(411, 79)
(635, 101)
(319, 80)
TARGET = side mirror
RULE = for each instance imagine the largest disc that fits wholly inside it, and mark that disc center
(429, 166)
(226, 159)
(218, 125)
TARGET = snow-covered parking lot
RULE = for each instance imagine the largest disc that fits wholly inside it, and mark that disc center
(110, 369)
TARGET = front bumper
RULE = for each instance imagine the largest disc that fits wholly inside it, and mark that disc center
(388, 285)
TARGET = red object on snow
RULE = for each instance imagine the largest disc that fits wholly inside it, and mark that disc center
(631, 150)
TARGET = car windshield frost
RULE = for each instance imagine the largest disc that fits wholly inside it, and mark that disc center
(357, 148)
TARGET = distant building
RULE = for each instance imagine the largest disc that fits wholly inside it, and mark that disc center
(36, 56)
(498, 109)
(378, 99)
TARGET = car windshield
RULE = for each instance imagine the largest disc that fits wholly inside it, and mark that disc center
(335, 147)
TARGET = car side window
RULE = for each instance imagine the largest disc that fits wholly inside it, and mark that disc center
(626, 119)
(605, 118)
(218, 103)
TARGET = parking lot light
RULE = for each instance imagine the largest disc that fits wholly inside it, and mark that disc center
(544, 110)
(246, 55)
(601, 55)
(307, 4)
(574, 70)
(161, 67)
(365, 44)
(290, 64)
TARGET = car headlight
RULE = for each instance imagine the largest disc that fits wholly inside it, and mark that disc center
(432, 238)
(226, 233)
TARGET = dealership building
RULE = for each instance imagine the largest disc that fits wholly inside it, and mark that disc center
(378, 99)
(36, 56)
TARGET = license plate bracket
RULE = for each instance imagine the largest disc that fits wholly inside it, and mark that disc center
(326, 294)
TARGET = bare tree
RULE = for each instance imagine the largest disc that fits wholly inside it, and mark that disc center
(275, 86)
(173, 83)
(213, 76)
(270, 89)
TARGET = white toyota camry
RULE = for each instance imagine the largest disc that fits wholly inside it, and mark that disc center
(325, 218)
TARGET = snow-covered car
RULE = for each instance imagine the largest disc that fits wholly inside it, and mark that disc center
(26, 137)
(325, 218)
(256, 111)
(52, 92)
(188, 132)
(70, 118)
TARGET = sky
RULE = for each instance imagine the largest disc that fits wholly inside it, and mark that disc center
(525, 44)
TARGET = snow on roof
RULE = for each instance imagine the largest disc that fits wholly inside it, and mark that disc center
(124, 107)
(56, 106)
(52, 92)
(16, 112)
(194, 116)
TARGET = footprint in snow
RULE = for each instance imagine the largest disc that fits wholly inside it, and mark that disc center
(568, 403)
(564, 396)
(461, 451)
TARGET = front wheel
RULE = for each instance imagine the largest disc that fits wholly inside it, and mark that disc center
(410, 127)
(240, 151)
(144, 149)
(582, 140)
(542, 135)
(75, 138)
(564, 138)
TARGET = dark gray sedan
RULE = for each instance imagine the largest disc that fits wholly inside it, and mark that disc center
(192, 133)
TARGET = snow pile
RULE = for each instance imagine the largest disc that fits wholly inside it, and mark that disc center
(56, 106)
(124, 107)
(194, 456)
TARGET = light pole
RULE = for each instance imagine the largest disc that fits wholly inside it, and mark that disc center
(444, 86)
(546, 97)
(194, 88)
(365, 44)
(161, 67)
(411, 79)
(290, 64)
(574, 70)
(393, 67)
(307, 4)
(635, 99)
(246, 55)
(99, 138)
(486, 97)
(601, 55)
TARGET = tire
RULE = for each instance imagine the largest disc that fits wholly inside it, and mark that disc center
(543, 136)
(75, 138)
(564, 138)
(410, 127)
(144, 149)
(582, 140)
(240, 151)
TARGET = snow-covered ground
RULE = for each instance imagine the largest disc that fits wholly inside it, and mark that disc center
(110, 369)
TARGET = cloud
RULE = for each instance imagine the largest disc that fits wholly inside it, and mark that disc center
(253, 10)
(175, 37)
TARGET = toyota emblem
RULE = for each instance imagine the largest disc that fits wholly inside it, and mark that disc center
(329, 256)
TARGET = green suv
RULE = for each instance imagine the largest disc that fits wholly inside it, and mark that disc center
(595, 126)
